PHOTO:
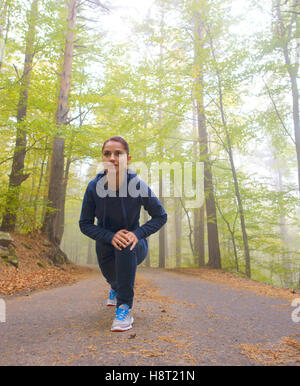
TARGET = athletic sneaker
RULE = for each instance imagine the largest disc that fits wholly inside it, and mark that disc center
(123, 320)
(112, 300)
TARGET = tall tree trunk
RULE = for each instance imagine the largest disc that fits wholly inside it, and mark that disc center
(163, 230)
(199, 236)
(147, 260)
(232, 232)
(292, 70)
(178, 230)
(35, 165)
(56, 184)
(241, 209)
(214, 260)
(45, 190)
(198, 227)
(145, 215)
(37, 194)
(229, 151)
(61, 213)
(17, 176)
(283, 235)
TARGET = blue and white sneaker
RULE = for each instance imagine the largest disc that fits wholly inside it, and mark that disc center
(123, 320)
(112, 299)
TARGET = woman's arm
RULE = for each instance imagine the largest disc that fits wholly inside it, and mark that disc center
(155, 209)
(87, 218)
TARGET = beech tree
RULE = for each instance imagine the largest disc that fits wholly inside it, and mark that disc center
(198, 16)
(55, 192)
(17, 175)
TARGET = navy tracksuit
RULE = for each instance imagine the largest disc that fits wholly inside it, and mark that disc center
(120, 210)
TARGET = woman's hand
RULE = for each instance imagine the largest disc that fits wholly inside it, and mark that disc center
(120, 239)
(131, 237)
(123, 238)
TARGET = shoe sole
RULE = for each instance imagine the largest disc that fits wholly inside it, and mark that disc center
(111, 304)
(120, 329)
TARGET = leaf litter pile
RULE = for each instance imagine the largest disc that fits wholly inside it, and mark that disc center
(35, 271)
(286, 352)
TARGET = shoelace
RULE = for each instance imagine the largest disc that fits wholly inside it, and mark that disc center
(121, 313)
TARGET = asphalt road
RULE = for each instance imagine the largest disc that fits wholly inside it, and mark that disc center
(179, 320)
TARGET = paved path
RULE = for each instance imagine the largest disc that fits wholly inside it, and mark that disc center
(179, 320)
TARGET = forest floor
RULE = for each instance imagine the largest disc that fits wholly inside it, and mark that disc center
(182, 317)
(35, 271)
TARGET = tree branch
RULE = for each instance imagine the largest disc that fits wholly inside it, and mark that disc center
(277, 112)
(190, 227)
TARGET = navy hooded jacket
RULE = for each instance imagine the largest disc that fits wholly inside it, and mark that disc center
(115, 213)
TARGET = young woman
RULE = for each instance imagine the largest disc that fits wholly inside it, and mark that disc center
(115, 198)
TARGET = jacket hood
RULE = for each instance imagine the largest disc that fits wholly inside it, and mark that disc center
(102, 191)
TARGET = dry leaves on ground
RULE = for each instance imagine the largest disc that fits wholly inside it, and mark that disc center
(35, 271)
(286, 352)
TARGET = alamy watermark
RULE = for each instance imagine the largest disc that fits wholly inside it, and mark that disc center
(296, 313)
(177, 180)
(2, 311)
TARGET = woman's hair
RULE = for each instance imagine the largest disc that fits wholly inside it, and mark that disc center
(117, 139)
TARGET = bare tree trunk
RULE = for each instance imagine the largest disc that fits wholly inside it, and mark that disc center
(51, 224)
(178, 230)
(163, 230)
(56, 184)
(214, 260)
(147, 260)
(232, 232)
(17, 176)
(39, 184)
(287, 277)
(61, 213)
(45, 190)
(199, 236)
(229, 151)
(241, 209)
(199, 228)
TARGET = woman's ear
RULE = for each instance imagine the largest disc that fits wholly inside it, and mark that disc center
(128, 159)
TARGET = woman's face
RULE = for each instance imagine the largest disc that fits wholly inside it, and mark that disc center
(114, 155)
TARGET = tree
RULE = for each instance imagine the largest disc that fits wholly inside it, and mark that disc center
(286, 29)
(212, 226)
(228, 148)
(17, 175)
(51, 224)
(199, 224)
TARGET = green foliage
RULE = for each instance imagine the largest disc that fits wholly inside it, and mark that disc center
(142, 90)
